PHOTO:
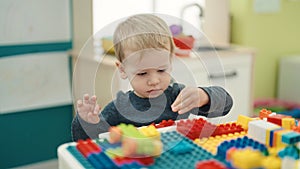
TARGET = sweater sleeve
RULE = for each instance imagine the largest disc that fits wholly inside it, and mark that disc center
(220, 102)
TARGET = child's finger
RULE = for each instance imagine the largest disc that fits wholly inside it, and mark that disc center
(97, 109)
(86, 98)
(177, 101)
(93, 99)
(79, 103)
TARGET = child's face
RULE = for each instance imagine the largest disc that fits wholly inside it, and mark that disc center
(148, 71)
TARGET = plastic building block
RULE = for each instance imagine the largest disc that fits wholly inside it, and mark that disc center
(246, 158)
(142, 161)
(288, 123)
(92, 152)
(270, 136)
(199, 128)
(195, 128)
(278, 138)
(277, 118)
(271, 162)
(290, 151)
(227, 128)
(210, 164)
(264, 113)
(150, 131)
(296, 128)
(244, 120)
(79, 157)
(291, 138)
(240, 143)
(115, 134)
(134, 142)
(263, 127)
(211, 143)
(169, 159)
(180, 147)
(165, 123)
(87, 147)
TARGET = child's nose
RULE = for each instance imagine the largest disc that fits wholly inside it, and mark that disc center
(153, 80)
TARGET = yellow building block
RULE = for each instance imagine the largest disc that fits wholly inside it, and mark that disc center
(278, 138)
(268, 135)
(271, 162)
(211, 143)
(150, 131)
(244, 120)
(288, 123)
(246, 158)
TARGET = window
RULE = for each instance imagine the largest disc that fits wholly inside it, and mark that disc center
(108, 11)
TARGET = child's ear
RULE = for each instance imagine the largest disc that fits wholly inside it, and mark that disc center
(121, 70)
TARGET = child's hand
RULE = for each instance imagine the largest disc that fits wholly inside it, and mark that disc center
(88, 109)
(189, 98)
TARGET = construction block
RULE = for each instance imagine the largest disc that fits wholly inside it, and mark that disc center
(180, 147)
(296, 128)
(165, 123)
(170, 159)
(271, 162)
(211, 144)
(263, 127)
(278, 138)
(79, 157)
(210, 164)
(291, 137)
(87, 147)
(277, 118)
(134, 142)
(290, 151)
(246, 158)
(288, 123)
(227, 129)
(244, 120)
(270, 139)
(150, 131)
(240, 143)
(264, 113)
(195, 128)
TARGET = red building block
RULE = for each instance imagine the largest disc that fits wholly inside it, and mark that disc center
(210, 164)
(264, 113)
(165, 123)
(277, 118)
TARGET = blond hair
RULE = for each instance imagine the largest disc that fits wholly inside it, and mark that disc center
(140, 32)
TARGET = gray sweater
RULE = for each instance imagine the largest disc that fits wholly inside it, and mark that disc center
(128, 108)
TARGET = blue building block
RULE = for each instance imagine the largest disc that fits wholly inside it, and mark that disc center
(79, 157)
(290, 151)
(170, 159)
(272, 136)
(180, 147)
(240, 143)
(291, 138)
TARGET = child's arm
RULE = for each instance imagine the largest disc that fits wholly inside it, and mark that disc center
(189, 98)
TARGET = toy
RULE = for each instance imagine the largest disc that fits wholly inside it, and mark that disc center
(261, 145)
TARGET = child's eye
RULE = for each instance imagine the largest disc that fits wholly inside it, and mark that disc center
(142, 74)
(162, 70)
